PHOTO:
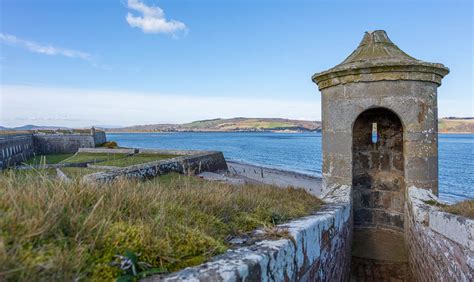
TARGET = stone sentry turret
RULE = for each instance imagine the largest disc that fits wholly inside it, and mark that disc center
(379, 114)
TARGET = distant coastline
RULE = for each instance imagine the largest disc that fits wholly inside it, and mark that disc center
(450, 125)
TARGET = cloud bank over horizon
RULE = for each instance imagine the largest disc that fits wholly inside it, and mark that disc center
(20, 105)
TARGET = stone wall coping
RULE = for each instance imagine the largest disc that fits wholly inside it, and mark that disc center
(174, 152)
(106, 167)
(108, 151)
(457, 228)
(58, 165)
(271, 260)
(61, 134)
(276, 260)
(10, 137)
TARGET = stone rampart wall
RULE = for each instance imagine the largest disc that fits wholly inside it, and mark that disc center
(99, 137)
(194, 164)
(440, 245)
(15, 149)
(318, 250)
(61, 143)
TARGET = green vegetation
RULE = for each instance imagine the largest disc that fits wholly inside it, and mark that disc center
(78, 172)
(464, 208)
(93, 157)
(434, 203)
(137, 159)
(57, 231)
(48, 159)
(110, 145)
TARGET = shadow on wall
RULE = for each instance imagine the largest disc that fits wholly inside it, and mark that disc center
(378, 197)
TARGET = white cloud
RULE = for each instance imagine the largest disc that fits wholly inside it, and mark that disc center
(21, 105)
(153, 19)
(43, 49)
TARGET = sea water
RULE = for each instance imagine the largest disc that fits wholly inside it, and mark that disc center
(301, 152)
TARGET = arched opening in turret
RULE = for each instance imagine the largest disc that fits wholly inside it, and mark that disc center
(378, 181)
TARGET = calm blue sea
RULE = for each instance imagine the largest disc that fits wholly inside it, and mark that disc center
(301, 152)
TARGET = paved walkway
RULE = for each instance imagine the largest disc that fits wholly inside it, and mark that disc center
(245, 173)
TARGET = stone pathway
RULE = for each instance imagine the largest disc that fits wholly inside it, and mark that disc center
(240, 173)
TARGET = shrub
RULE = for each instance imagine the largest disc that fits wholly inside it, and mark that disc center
(110, 144)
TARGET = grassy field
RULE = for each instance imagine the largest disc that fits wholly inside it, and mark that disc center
(48, 159)
(93, 157)
(137, 159)
(57, 231)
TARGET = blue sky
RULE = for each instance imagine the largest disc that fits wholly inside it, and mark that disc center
(119, 62)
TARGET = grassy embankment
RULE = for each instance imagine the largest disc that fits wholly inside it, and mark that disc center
(93, 157)
(57, 231)
(137, 159)
(48, 159)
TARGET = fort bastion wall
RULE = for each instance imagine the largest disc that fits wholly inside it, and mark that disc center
(15, 149)
(440, 245)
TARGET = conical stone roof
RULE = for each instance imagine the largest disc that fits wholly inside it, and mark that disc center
(378, 58)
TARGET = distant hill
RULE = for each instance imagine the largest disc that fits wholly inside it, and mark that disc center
(32, 127)
(240, 124)
(229, 125)
(456, 125)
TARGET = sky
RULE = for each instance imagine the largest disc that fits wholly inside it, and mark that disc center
(125, 62)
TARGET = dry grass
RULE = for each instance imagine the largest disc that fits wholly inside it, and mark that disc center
(464, 208)
(57, 231)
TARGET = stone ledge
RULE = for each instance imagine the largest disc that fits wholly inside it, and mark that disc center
(174, 152)
(316, 244)
(454, 227)
(279, 260)
(107, 151)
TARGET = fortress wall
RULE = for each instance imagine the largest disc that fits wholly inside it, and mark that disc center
(15, 149)
(61, 143)
(194, 164)
(318, 250)
(99, 137)
(440, 245)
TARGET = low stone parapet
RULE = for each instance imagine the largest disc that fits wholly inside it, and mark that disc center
(191, 165)
(107, 151)
(172, 152)
(440, 244)
(318, 250)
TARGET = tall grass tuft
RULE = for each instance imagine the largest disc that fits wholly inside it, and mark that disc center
(464, 208)
(57, 231)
